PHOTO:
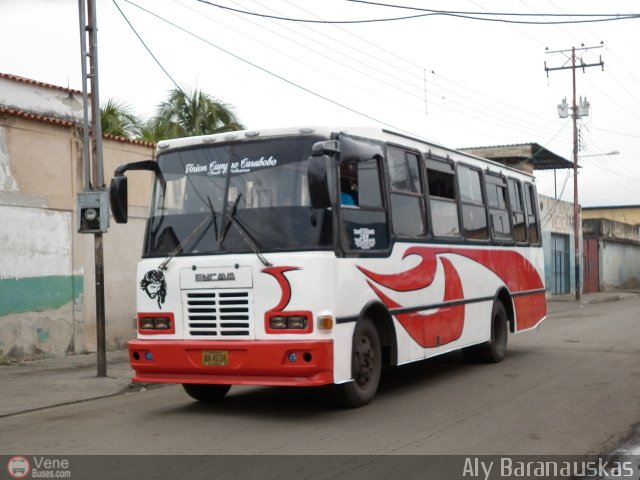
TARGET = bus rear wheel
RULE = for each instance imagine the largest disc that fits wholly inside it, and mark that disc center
(495, 349)
(206, 393)
(366, 367)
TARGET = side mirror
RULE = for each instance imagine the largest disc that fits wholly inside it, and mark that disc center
(118, 194)
(318, 172)
(318, 178)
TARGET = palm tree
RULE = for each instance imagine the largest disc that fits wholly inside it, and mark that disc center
(117, 119)
(190, 113)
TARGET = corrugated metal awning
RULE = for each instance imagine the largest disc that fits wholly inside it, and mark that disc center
(513, 155)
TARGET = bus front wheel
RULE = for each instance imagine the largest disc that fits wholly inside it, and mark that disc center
(366, 367)
(495, 349)
(206, 393)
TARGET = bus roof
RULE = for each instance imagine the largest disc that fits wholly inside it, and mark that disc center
(372, 132)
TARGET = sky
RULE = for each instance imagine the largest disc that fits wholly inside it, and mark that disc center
(457, 81)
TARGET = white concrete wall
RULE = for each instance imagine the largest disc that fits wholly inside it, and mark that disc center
(37, 285)
(41, 99)
(619, 264)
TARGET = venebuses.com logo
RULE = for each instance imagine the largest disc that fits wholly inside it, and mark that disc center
(19, 466)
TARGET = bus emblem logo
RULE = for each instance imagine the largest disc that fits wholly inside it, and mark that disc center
(215, 277)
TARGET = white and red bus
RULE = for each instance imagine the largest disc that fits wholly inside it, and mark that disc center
(315, 256)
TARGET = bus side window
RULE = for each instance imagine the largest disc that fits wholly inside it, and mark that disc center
(474, 214)
(348, 184)
(442, 198)
(367, 189)
(517, 210)
(532, 213)
(407, 198)
(498, 211)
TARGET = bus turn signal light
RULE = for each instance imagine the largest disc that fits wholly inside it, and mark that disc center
(325, 322)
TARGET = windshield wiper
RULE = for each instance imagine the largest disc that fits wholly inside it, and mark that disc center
(228, 217)
(211, 217)
(232, 220)
(213, 214)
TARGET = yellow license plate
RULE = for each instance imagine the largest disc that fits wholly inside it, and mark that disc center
(215, 358)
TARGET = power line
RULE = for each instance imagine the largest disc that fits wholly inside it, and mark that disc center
(467, 15)
(591, 17)
(499, 121)
(306, 20)
(481, 115)
(145, 46)
(445, 105)
(265, 70)
(515, 118)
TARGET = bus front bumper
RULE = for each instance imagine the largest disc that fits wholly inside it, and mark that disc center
(264, 362)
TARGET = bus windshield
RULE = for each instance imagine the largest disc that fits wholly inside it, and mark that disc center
(209, 199)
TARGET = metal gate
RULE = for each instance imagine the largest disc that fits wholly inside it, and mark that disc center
(591, 260)
(559, 264)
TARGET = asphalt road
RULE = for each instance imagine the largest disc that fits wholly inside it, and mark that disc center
(571, 387)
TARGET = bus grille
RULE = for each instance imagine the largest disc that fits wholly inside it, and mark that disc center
(217, 313)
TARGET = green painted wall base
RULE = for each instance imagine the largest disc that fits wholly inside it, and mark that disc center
(18, 295)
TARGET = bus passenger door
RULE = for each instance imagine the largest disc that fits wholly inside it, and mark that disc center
(363, 222)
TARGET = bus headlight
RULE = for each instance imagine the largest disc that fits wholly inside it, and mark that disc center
(297, 322)
(146, 323)
(156, 323)
(278, 323)
(289, 322)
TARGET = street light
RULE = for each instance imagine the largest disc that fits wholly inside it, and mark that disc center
(613, 152)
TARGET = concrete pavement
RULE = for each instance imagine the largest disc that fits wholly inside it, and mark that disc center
(34, 385)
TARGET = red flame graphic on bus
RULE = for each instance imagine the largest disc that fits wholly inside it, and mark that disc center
(283, 282)
(446, 325)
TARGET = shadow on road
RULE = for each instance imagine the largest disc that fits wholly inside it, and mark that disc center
(295, 402)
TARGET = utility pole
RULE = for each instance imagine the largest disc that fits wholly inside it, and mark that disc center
(575, 115)
(93, 209)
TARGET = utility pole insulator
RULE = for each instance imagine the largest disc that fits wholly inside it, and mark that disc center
(563, 108)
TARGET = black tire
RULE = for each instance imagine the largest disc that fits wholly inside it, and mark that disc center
(366, 367)
(206, 393)
(495, 349)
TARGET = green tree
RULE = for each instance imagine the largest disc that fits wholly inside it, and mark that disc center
(118, 119)
(189, 113)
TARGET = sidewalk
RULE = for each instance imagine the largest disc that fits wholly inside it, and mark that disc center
(591, 298)
(33, 385)
(37, 384)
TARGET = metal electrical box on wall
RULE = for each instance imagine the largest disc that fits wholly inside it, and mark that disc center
(93, 212)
